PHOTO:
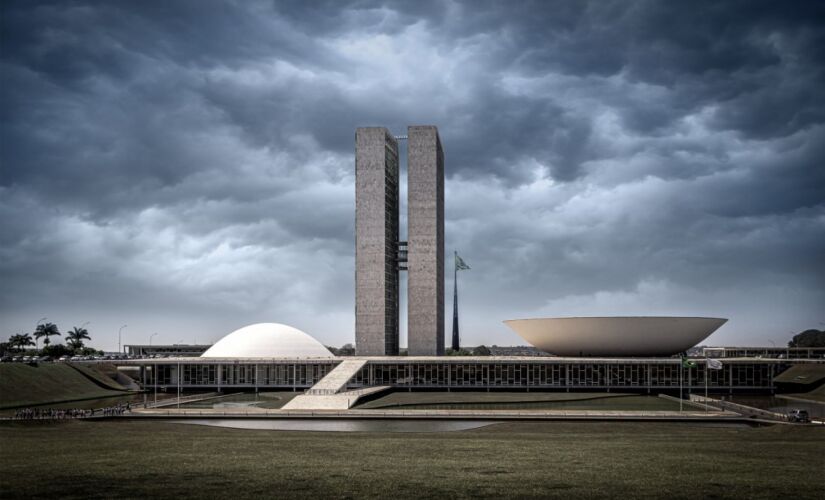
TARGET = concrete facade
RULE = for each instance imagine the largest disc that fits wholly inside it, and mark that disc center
(425, 242)
(376, 242)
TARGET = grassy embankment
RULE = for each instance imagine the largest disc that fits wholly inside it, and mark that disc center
(519, 400)
(46, 383)
(528, 459)
(804, 381)
(817, 395)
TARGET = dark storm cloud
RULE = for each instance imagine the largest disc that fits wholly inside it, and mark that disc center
(196, 156)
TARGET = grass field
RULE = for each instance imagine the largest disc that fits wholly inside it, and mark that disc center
(24, 385)
(526, 460)
(519, 400)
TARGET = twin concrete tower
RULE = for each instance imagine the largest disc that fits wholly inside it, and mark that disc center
(380, 254)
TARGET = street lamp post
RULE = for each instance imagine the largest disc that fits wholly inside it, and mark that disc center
(118, 338)
(150, 337)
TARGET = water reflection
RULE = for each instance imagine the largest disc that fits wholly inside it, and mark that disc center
(626, 403)
(342, 425)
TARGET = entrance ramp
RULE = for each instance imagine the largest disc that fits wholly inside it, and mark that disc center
(339, 401)
(330, 392)
(336, 380)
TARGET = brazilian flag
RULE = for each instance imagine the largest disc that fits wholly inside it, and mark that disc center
(686, 363)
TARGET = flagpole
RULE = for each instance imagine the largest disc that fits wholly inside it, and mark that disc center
(455, 340)
(681, 369)
(706, 381)
(456, 343)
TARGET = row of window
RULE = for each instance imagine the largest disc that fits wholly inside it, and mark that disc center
(470, 375)
(232, 374)
(544, 375)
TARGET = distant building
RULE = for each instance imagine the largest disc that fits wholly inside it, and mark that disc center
(173, 350)
(519, 350)
(764, 352)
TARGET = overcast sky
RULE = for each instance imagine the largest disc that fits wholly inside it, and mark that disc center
(187, 167)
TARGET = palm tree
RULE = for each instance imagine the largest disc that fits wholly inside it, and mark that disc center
(20, 341)
(76, 336)
(46, 330)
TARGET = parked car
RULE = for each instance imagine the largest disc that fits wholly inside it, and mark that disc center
(63, 358)
(801, 416)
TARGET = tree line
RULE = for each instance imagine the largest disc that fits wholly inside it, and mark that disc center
(808, 338)
(19, 342)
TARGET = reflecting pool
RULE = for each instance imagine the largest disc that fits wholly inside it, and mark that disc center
(341, 425)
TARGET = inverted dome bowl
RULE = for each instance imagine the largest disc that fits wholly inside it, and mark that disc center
(615, 336)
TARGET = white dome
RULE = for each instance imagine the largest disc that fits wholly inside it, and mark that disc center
(267, 340)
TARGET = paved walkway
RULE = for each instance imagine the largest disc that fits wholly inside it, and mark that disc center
(745, 411)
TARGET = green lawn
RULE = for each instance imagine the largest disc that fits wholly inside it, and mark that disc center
(45, 383)
(525, 460)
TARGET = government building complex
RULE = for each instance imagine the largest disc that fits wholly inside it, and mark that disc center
(602, 354)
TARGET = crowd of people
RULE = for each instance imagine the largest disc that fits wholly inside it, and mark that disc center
(69, 413)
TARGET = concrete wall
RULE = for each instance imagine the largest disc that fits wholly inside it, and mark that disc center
(425, 289)
(376, 240)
